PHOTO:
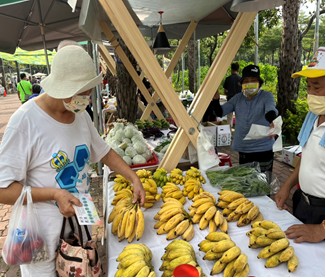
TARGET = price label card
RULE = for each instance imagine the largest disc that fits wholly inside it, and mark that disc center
(87, 213)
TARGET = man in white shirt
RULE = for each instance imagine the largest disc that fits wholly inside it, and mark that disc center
(309, 200)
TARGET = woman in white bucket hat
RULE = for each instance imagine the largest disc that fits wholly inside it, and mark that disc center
(49, 144)
(309, 199)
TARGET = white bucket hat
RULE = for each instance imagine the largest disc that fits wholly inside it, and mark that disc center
(316, 68)
(72, 72)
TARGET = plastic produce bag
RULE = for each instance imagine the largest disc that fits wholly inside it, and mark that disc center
(207, 157)
(24, 243)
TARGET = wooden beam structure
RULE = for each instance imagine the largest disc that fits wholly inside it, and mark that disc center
(133, 73)
(187, 123)
(131, 35)
(210, 84)
(107, 58)
(174, 61)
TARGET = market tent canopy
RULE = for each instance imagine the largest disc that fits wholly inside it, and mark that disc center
(36, 57)
(37, 24)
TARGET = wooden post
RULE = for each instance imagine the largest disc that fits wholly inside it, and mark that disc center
(108, 59)
(139, 82)
(129, 32)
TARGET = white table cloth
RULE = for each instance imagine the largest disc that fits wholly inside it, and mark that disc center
(311, 255)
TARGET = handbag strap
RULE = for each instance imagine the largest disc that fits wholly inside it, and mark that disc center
(73, 229)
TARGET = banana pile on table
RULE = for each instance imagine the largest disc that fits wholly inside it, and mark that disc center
(173, 220)
(135, 260)
(120, 182)
(204, 211)
(194, 173)
(238, 208)
(171, 190)
(228, 257)
(160, 176)
(276, 247)
(176, 253)
(127, 218)
(176, 176)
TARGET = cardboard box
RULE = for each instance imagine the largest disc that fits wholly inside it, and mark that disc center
(220, 134)
(290, 155)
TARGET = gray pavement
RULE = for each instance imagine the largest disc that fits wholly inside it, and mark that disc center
(9, 104)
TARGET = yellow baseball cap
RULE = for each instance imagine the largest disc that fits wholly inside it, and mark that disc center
(316, 68)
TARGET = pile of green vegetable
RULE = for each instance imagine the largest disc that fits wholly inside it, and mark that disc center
(243, 179)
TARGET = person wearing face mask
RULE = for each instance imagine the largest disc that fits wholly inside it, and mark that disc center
(309, 200)
(49, 144)
(252, 106)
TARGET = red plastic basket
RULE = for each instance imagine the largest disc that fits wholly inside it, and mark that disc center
(153, 161)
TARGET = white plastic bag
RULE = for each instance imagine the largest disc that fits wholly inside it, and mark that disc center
(24, 243)
(207, 157)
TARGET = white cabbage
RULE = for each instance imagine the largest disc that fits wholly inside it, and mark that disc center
(138, 159)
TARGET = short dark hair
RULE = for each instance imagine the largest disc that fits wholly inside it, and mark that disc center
(22, 75)
(235, 66)
(36, 89)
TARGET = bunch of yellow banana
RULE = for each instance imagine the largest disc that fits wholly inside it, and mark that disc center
(171, 190)
(238, 208)
(120, 182)
(160, 176)
(176, 176)
(174, 221)
(192, 187)
(219, 247)
(135, 260)
(151, 192)
(127, 220)
(204, 212)
(194, 173)
(125, 193)
(276, 247)
(176, 253)
(144, 174)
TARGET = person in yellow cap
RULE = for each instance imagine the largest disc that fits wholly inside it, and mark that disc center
(309, 199)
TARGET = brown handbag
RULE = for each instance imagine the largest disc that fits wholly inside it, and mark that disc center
(74, 258)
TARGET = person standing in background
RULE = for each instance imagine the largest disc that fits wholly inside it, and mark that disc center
(231, 87)
(24, 88)
(309, 199)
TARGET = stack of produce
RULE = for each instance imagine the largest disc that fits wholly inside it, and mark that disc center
(176, 253)
(204, 211)
(160, 176)
(276, 247)
(129, 143)
(127, 218)
(176, 176)
(144, 174)
(194, 173)
(120, 182)
(135, 260)
(219, 247)
(238, 208)
(174, 221)
(171, 190)
(192, 188)
(150, 187)
(243, 179)
(161, 124)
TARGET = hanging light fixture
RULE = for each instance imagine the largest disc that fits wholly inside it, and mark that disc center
(161, 41)
(254, 5)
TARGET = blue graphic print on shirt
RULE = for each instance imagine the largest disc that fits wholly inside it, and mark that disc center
(68, 171)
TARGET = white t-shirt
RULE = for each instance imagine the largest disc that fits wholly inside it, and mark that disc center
(38, 151)
(312, 166)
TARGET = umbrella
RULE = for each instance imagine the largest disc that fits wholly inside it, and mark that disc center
(37, 24)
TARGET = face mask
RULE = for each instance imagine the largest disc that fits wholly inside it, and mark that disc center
(250, 89)
(77, 104)
(316, 104)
